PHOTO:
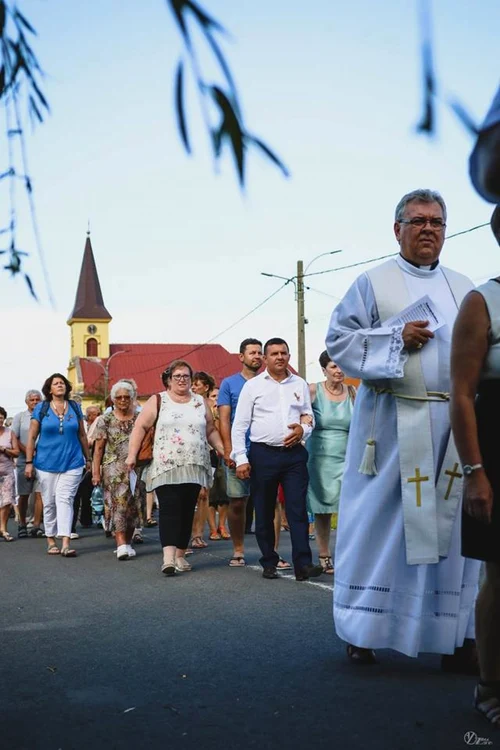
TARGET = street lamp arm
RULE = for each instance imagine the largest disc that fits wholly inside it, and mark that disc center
(322, 255)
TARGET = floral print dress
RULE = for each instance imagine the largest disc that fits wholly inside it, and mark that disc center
(122, 510)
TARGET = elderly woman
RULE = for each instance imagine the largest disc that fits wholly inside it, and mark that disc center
(181, 458)
(111, 445)
(57, 428)
(475, 416)
(332, 403)
(9, 450)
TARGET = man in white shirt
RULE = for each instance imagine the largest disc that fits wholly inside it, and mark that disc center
(276, 407)
(27, 487)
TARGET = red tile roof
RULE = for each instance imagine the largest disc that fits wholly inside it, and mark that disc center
(145, 363)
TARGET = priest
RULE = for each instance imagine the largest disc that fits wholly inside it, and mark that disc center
(400, 581)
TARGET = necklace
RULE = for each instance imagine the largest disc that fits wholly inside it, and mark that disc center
(334, 393)
(60, 416)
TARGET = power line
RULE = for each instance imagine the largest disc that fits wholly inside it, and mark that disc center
(391, 255)
(221, 333)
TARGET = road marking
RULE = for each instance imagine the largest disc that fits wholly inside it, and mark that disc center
(291, 577)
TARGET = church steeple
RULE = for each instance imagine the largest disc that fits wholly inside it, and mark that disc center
(89, 320)
(89, 303)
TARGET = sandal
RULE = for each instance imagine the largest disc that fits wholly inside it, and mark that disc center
(224, 534)
(238, 561)
(138, 538)
(150, 522)
(283, 565)
(6, 536)
(53, 549)
(22, 532)
(198, 543)
(214, 536)
(326, 564)
(487, 702)
(361, 655)
(67, 552)
(36, 532)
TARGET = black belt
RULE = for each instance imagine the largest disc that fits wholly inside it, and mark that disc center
(280, 448)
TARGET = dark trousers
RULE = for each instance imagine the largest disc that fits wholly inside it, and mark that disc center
(82, 502)
(249, 515)
(271, 467)
(177, 503)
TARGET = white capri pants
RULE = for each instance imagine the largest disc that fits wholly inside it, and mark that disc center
(58, 492)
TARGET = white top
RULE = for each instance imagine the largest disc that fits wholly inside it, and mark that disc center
(180, 451)
(267, 406)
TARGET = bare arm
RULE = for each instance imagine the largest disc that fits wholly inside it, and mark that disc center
(213, 437)
(83, 441)
(99, 446)
(30, 447)
(468, 351)
(12, 452)
(143, 423)
(225, 433)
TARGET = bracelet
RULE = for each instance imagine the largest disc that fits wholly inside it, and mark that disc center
(28, 462)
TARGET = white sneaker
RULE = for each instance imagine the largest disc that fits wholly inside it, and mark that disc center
(182, 565)
(74, 536)
(122, 552)
(131, 551)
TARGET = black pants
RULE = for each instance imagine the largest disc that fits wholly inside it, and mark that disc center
(271, 467)
(177, 503)
(82, 502)
(249, 515)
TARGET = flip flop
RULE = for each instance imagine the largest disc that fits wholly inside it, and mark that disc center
(6, 536)
(238, 561)
(53, 549)
(283, 565)
(67, 552)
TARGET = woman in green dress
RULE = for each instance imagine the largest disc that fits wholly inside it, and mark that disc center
(332, 403)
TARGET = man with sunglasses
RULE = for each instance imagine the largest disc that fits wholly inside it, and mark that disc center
(400, 581)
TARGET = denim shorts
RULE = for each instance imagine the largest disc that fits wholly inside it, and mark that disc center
(236, 488)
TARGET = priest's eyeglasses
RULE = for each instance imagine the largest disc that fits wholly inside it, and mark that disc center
(419, 222)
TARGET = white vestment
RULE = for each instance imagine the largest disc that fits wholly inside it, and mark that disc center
(379, 600)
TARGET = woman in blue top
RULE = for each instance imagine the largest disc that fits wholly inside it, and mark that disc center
(61, 454)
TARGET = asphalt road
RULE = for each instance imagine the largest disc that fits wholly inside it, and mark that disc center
(105, 654)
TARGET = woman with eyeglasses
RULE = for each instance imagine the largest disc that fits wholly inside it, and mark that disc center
(61, 454)
(181, 465)
(111, 435)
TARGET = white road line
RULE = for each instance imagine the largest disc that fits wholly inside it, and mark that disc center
(290, 577)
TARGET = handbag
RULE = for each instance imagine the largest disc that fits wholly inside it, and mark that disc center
(145, 455)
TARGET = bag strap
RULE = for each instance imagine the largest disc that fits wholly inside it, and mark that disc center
(158, 406)
(46, 406)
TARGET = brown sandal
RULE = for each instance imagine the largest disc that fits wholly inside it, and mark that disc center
(53, 549)
(67, 552)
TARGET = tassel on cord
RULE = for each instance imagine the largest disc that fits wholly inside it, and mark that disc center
(368, 465)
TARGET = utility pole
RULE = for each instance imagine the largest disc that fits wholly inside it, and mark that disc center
(301, 320)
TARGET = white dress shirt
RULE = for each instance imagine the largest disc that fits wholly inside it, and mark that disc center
(267, 406)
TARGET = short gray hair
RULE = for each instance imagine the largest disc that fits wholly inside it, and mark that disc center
(31, 393)
(93, 406)
(123, 385)
(422, 196)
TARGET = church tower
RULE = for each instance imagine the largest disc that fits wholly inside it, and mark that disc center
(89, 321)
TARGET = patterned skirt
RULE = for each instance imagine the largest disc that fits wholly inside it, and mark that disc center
(7, 490)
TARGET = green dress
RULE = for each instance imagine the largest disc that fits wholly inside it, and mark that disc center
(327, 447)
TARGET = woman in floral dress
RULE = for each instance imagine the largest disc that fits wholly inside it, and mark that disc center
(181, 465)
(112, 434)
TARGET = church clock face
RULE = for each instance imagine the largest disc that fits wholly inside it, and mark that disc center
(92, 329)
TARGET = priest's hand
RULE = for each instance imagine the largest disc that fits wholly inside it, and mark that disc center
(478, 496)
(416, 334)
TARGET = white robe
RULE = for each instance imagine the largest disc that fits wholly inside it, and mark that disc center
(379, 600)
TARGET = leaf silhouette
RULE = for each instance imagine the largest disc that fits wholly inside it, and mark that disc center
(179, 106)
(22, 19)
(231, 127)
(3, 16)
(205, 20)
(226, 70)
(464, 117)
(30, 286)
(269, 153)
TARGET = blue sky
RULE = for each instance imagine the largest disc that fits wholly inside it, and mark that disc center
(333, 87)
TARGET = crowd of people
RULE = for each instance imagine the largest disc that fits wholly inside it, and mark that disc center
(404, 468)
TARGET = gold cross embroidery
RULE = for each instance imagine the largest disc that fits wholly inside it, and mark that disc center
(453, 474)
(417, 479)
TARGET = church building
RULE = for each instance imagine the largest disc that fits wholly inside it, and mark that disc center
(96, 364)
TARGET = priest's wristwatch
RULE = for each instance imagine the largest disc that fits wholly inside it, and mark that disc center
(468, 469)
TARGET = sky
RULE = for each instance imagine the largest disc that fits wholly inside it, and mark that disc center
(334, 88)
